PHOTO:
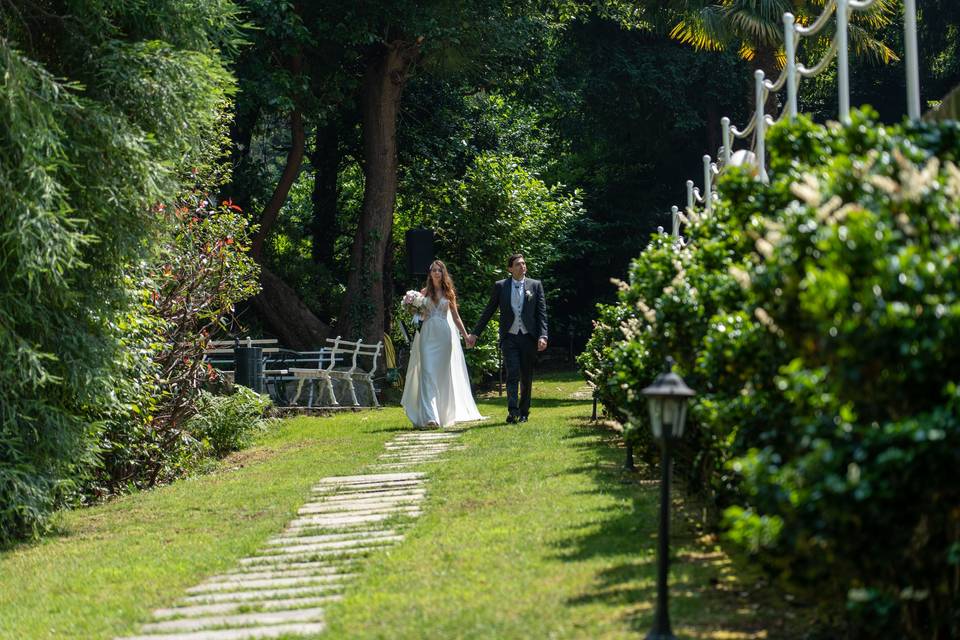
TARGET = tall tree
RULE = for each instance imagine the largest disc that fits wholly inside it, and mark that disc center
(472, 39)
(277, 85)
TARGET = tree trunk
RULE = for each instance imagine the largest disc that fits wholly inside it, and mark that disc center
(388, 292)
(326, 164)
(285, 315)
(362, 314)
(287, 178)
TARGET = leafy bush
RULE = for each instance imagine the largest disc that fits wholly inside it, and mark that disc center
(84, 163)
(224, 424)
(857, 276)
(818, 318)
(201, 269)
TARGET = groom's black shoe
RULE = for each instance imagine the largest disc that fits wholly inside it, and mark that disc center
(522, 419)
(511, 418)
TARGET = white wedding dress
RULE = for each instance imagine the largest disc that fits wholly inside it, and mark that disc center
(437, 387)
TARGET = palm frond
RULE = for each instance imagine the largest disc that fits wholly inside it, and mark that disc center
(879, 15)
(705, 29)
(755, 29)
(866, 45)
(694, 34)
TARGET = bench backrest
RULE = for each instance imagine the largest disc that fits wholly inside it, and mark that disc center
(244, 342)
(226, 351)
(356, 349)
(285, 359)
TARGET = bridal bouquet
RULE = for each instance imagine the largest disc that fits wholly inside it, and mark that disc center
(413, 302)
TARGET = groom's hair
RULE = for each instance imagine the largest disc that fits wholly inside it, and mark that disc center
(513, 259)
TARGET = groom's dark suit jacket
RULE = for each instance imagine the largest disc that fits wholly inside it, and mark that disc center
(533, 313)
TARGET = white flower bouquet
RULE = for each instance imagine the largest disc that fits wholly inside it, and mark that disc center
(412, 303)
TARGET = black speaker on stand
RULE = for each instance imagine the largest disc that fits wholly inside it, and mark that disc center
(419, 252)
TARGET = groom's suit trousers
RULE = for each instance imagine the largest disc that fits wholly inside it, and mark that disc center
(519, 356)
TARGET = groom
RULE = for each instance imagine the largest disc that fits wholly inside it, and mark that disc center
(523, 331)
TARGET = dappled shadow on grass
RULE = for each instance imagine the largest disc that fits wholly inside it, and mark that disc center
(539, 403)
(707, 598)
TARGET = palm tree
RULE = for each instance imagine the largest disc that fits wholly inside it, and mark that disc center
(755, 27)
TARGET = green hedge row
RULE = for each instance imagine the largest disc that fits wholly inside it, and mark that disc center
(818, 317)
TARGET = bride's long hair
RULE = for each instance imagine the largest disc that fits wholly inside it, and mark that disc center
(446, 284)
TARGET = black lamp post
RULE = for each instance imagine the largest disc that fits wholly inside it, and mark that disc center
(667, 401)
(628, 464)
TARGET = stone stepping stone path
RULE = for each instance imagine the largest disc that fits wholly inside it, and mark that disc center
(282, 590)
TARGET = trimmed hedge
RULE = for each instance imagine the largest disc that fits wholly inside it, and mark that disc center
(818, 318)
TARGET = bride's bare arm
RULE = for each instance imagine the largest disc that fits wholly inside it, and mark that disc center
(456, 319)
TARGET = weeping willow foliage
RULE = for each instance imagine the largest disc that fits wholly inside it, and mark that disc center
(106, 114)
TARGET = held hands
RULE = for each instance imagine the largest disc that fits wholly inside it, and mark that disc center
(541, 344)
(470, 341)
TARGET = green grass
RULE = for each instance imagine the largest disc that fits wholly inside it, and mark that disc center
(531, 531)
(107, 567)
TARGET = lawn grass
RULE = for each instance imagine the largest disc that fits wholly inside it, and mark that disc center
(531, 531)
(107, 567)
(534, 531)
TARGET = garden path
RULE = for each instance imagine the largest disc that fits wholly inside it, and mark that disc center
(283, 589)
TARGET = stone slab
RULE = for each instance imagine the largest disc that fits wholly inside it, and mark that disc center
(240, 584)
(344, 554)
(371, 478)
(335, 565)
(279, 572)
(237, 607)
(274, 631)
(282, 553)
(333, 537)
(314, 614)
(363, 500)
(337, 521)
(369, 492)
(259, 595)
(372, 493)
(331, 489)
(404, 465)
(371, 511)
(358, 506)
(325, 546)
(418, 447)
(313, 541)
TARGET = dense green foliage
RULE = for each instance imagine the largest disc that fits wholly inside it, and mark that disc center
(199, 270)
(817, 316)
(104, 115)
(483, 197)
(227, 423)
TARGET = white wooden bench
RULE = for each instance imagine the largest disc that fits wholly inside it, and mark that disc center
(326, 360)
(325, 372)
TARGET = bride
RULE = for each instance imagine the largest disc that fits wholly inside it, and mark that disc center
(437, 389)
